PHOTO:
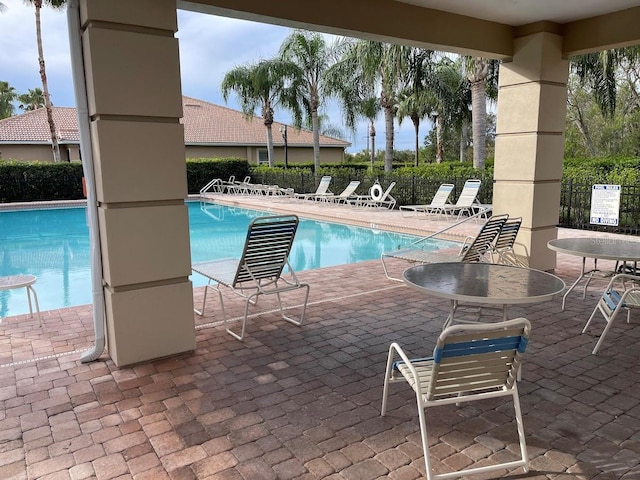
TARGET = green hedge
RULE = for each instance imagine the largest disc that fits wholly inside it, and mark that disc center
(41, 181)
(35, 181)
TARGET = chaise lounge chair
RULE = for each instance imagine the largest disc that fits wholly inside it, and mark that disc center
(344, 196)
(438, 203)
(474, 249)
(322, 190)
(260, 270)
(466, 202)
(376, 198)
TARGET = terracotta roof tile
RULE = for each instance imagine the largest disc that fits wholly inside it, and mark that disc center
(204, 124)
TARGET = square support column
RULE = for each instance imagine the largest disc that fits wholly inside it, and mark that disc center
(134, 95)
(532, 105)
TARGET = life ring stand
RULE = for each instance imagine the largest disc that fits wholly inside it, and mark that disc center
(376, 192)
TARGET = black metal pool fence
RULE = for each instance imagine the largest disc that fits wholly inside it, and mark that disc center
(575, 197)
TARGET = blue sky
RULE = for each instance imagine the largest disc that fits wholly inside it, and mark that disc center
(209, 47)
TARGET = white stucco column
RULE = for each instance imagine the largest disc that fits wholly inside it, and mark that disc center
(532, 103)
(134, 95)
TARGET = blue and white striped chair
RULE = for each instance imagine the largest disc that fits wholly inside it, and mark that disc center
(469, 363)
(622, 293)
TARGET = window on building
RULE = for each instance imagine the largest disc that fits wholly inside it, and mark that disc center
(263, 157)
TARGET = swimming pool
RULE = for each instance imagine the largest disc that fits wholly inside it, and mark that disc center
(53, 244)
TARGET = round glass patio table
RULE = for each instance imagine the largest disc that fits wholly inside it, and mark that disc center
(598, 248)
(483, 283)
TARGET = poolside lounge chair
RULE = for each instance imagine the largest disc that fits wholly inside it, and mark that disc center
(323, 189)
(622, 293)
(376, 198)
(502, 248)
(263, 268)
(469, 363)
(474, 249)
(466, 202)
(439, 201)
(345, 195)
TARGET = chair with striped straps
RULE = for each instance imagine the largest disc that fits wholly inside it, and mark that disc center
(469, 363)
(262, 269)
(622, 293)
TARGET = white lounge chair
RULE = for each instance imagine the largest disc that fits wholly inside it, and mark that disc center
(263, 268)
(436, 207)
(322, 190)
(345, 195)
(466, 202)
(469, 363)
(474, 249)
(376, 198)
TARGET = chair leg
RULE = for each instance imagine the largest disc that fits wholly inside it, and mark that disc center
(304, 308)
(425, 438)
(204, 299)
(606, 329)
(385, 388)
(244, 317)
(593, 314)
(520, 425)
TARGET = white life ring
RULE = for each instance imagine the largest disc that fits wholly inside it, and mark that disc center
(376, 192)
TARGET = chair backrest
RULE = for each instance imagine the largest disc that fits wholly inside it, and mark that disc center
(323, 186)
(469, 193)
(348, 191)
(474, 358)
(266, 249)
(508, 233)
(441, 197)
(387, 192)
(487, 234)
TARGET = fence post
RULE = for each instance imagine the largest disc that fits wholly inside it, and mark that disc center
(569, 201)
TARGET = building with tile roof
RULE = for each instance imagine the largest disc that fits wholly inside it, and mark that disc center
(209, 131)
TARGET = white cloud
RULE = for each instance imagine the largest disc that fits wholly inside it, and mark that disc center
(209, 47)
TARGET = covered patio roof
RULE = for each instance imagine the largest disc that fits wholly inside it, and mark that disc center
(471, 27)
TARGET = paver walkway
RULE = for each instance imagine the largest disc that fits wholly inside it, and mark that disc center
(304, 402)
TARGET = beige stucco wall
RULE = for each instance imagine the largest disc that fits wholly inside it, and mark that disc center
(295, 154)
(39, 153)
(529, 152)
(135, 105)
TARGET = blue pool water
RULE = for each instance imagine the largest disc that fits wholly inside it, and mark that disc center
(53, 244)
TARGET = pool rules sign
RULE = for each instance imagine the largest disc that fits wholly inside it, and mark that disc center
(605, 205)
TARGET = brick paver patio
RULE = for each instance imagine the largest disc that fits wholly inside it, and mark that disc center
(304, 402)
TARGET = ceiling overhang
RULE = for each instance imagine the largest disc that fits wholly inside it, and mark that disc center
(432, 28)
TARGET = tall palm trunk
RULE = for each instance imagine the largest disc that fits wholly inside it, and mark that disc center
(479, 123)
(45, 86)
(315, 127)
(439, 146)
(372, 133)
(464, 137)
(388, 151)
(416, 127)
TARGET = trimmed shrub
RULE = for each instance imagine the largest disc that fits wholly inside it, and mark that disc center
(35, 181)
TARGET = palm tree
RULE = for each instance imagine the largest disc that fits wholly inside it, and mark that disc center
(7, 96)
(376, 64)
(31, 100)
(262, 85)
(454, 92)
(57, 4)
(415, 101)
(311, 58)
(479, 72)
(3, 7)
(599, 71)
